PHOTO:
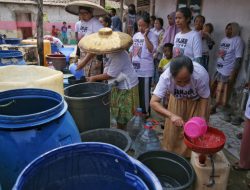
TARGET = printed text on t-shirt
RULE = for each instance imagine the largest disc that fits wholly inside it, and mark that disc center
(185, 93)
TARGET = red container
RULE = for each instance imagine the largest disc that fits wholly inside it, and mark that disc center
(210, 143)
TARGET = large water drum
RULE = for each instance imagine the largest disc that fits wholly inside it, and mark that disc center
(86, 166)
(32, 122)
(89, 104)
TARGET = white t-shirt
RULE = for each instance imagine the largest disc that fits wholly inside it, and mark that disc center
(120, 63)
(54, 40)
(189, 44)
(142, 59)
(156, 32)
(198, 86)
(85, 28)
(247, 112)
(230, 49)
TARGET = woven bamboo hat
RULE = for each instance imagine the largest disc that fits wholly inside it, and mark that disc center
(105, 41)
(74, 6)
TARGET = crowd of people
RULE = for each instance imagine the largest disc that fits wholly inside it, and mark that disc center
(170, 64)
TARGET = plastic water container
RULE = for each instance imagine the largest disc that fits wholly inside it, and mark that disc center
(30, 76)
(67, 51)
(173, 171)
(96, 166)
(11, 57)
(77, 73)
(146, 140)
(58, 61)
(89, 104)
(32, 122)
(116, 137)
(203, 172)
(195, 127)
(13, 41)
(136, 124)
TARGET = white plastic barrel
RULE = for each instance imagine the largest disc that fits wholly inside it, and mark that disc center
(29, 76)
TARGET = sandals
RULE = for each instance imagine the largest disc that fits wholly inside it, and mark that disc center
(236, 167)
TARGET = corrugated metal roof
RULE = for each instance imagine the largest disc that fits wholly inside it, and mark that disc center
(45, 2)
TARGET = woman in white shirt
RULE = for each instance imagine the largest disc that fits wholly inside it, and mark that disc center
(118, 68)
(187, 42)
(187, 83)
(228, 64)
(144, 45)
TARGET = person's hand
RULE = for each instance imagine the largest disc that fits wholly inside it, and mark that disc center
(176, 120)
(78, 66)
(146, 32)
(90, 79)
(204, 34)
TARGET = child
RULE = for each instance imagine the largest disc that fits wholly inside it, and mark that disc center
(64, 33)
(207, 43)
(168, 53)
(54, 31)
(69, 34)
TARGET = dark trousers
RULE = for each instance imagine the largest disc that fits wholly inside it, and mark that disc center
(144, 93)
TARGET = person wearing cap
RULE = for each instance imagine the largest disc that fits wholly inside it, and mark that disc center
(187, 82)
(118, 71)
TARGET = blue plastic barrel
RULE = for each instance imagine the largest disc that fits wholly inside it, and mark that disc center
(32, 122)
(11, 57)
(90, 166)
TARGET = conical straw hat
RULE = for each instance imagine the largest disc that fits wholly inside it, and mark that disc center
(105, 41)
(73, 7)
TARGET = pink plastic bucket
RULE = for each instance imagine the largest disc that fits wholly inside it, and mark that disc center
(195, 127)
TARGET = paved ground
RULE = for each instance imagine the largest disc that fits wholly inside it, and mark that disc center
(238, 180)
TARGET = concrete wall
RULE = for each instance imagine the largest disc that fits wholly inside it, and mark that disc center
(163, 8)
(55, 14)
(219, 13)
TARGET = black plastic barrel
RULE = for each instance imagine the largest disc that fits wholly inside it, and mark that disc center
(89, 104)
(116, 137)
(173, 171)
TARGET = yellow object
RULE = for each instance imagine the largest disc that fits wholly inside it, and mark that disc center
(46, 48)
(163, 63)
(30, 76)
(73, 8)
(105, 41)
(222, 169)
